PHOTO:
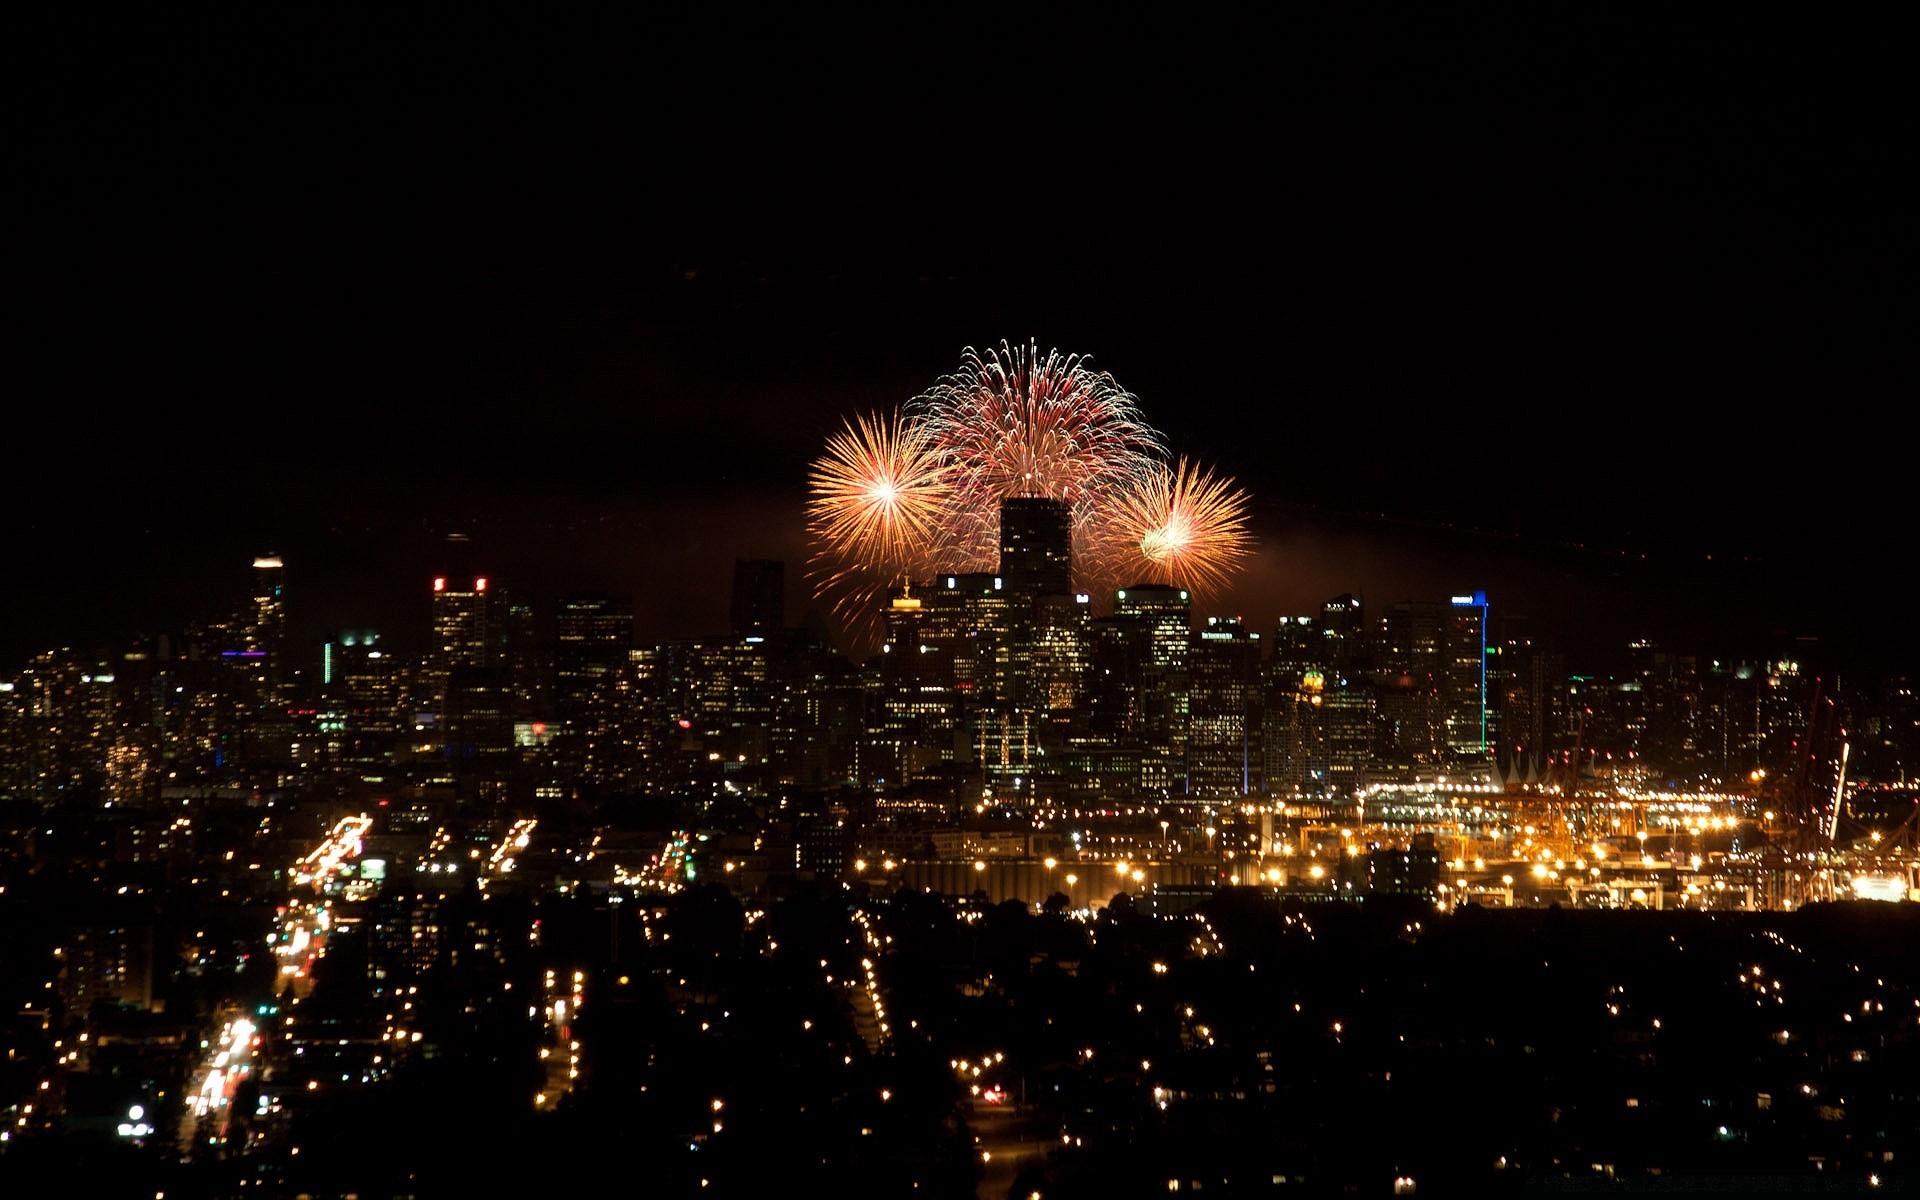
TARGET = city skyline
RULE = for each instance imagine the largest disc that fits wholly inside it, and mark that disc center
(1593, 314)
(1522, 796)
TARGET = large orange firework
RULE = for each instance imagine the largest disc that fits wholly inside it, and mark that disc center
(878, 499)
(1014, 422)
(1182, 526)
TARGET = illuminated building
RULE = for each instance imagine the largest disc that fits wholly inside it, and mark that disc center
(265, 626)
(467, 632)
(1293, 739)
(1525, 697)
(1463, 676)
(362, 688)
(1163, 616)
(1046, 628)
(1223, 710)
(592, 640)
(469, 677)
(916, 717)
(966, 624)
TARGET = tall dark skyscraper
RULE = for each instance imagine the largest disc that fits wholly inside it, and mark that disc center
(593, 636)
(1036, 546)
(759, 596)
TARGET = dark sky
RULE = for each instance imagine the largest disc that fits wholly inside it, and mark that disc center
(1605, 313)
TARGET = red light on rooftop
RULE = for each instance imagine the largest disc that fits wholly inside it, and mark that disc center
(439, 584)
(480, 584)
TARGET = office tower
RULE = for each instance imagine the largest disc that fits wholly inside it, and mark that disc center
(466, 633)
(1036, 546)
(1293, 739)
(967, 622)
(1164, 615)
(917, 719)
(1348, 640)
(593, 636)
(1408, 682)
(1044, 634)
(1223, 715)
(60, 716)
(1463, 676)
(1347, 717)
(477, 722)
(362, 687)
(1525, 698)
(470, 677)
(968, 626)
(265, 628)
(1430, 676)
(1060, 655)
(759, 595)
(529, 669)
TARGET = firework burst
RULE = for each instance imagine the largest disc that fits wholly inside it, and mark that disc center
(896, 499)
(1014, 422)
(1182, 526)
(877, 501)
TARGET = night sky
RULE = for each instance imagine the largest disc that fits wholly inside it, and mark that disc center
(1606, 314)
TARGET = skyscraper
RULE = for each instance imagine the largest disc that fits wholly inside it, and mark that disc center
(759, 595)
(466, 633)
(1165, 617)
(1036, 546)
(266, 625)
(593, 638)
(1464, 675)
(1223, 718)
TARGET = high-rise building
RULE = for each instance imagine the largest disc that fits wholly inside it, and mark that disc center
(1165, 615)
(1223, 717)
(1409, 681)
(968, 626)
(1463, 672)
(1293, 735)
(467, 632)
(470, 678)
(759, 595)
(593, 637)
(265, 629)
(1036, 545)
(916, 718)
(362, 691)
(1348, 641)
(1431, 679)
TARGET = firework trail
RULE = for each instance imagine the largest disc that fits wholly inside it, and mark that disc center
(877, 501)
(1014, 422)
(1181, 526)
